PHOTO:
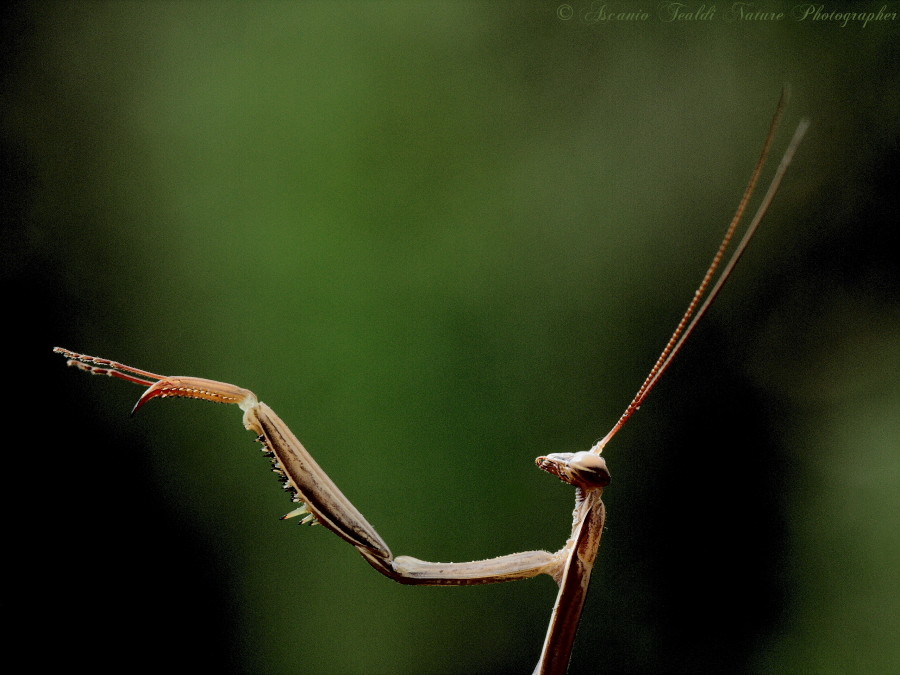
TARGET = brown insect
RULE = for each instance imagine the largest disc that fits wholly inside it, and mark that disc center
(319, 501)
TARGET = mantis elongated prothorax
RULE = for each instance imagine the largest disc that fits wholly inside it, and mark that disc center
(320, 501)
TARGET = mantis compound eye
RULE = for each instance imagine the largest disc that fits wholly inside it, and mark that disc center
(582, 469)
(590, 469)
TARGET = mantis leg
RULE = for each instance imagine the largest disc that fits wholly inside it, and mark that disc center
(589, 517)
(324, 500)
(320, 500)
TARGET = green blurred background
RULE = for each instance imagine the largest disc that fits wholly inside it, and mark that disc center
(441, 239)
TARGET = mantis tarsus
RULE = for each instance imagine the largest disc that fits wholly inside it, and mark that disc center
(321, 502)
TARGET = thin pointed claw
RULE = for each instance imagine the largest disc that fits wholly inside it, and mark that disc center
(139, 404)
(200, 388)
(296, 512)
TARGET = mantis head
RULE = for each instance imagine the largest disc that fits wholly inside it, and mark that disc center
(581, 469)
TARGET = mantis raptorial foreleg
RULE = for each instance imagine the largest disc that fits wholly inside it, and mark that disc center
(322, 502)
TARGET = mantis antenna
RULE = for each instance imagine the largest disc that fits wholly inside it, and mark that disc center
(689, 319)
(321, 502)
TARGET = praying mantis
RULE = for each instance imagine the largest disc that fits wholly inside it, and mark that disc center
(319, 501)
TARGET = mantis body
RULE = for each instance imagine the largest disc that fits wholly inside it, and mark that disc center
(320, 501)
